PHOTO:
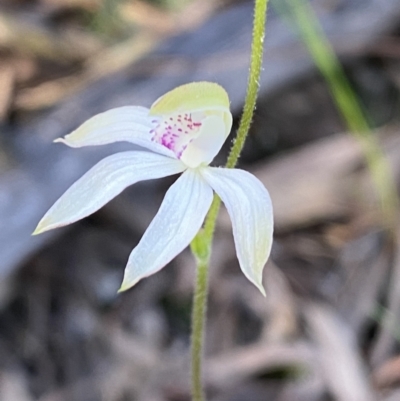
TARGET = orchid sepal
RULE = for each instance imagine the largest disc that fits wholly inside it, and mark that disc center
(105, 181)
(177, 222)
(250, 208)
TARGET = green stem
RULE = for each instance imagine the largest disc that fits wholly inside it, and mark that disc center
(257, 50)
(198, 323)
(201, 245)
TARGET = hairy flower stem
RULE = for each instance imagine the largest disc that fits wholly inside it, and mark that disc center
(201, 245)
(198, 323)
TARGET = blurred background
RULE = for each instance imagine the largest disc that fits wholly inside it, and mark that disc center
(329, 328)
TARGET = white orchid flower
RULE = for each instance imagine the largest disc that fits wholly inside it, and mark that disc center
(183, 130)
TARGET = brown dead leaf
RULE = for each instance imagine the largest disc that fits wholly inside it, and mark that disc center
(89, 4)
(388, 325)
(19, 34)
(241, 363)
(340, 359)
(7, 82)
(388, 374)
(282, 322)
(118, 57)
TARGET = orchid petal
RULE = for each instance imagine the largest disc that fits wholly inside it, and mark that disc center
(104, 182)
(130, 123)
(205, 147)
(180, 217)
(250, 209)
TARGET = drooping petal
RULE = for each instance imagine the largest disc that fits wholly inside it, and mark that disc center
(194, 121)
(180, 217)
(130, 123)
(104, 182)
(250, 209)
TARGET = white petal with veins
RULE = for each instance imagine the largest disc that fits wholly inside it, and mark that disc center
(104, 182)
(180, 217)
(250, 209)
(130, 123)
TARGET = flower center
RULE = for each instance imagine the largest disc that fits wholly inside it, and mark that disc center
(177, 131)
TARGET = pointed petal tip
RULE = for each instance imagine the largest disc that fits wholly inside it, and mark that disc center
(40, 228)
(37, 231)
(123, 288)
(262, 290)
(126, 285)
(259, 285)
(46, 225)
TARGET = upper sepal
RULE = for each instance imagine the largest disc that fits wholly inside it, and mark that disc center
(192, 97)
